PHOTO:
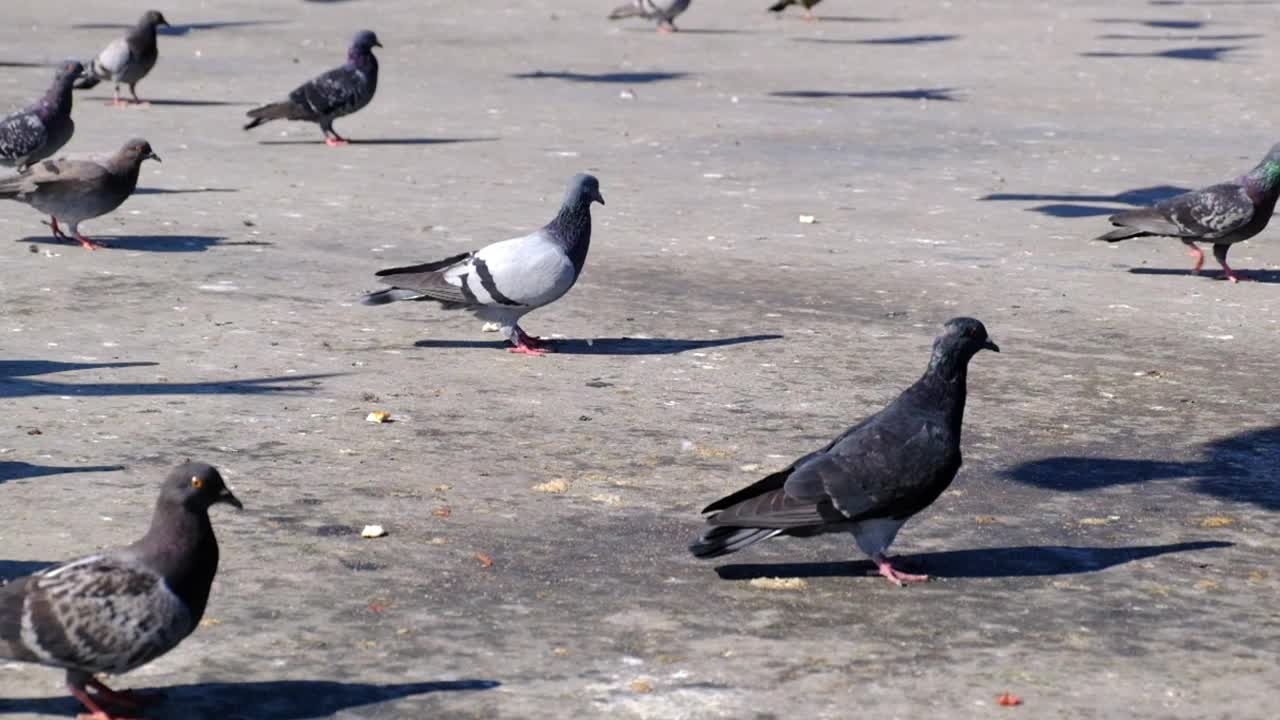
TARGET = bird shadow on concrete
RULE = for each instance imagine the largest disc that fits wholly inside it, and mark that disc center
(1206, 54)
(1158, 24)
(387, 141)
(630, 78)
(691, 31)
(1072, 207)
(853, 19)
(1182, 38)
(180, 29)
(1265, 277)
(1219, 3)
(939, 94)
(14, 470)
(1025, 561)
(14, 385)
(264, 700)
(173, 102)
(610, 346)
(140, 243)
(10, 569)
(21, 64)
(181, 191)
(1238, 468)
(903, 40)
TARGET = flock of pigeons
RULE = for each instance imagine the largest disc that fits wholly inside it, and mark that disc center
(115, 611)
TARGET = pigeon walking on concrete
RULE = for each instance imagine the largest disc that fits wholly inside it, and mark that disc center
(121, 609)
(504, 281)
(339, 92)
(1222, 214)
(72, 191)
(127, 59)
(664, 11)
(806, 4)
(41, 129)
(873, 477)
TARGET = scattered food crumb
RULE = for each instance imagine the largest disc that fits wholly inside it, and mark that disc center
(608, 499)
(749, 467)
(1217, 521)
(378, 416)
(554, 487)
(484, 560)
(209, 622)
(808, 219)
(373, 531)
(490, 327)
(1093, 521)
(773, 583)
(442, 487)
(438, 541)
(1207, 584)
(985, 519)
(560, 651)
(1008, 700)
(442, 511)
(641, 686)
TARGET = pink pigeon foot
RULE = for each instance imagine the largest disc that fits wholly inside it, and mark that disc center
(128, 698)
(335, 142)
(897, 577)
(95, 710)
(1198, 254)
(88, 244)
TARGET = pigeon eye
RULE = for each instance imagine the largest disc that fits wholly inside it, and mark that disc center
(196, 482)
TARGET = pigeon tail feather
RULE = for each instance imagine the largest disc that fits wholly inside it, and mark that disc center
(286, 110)
(779, 6)
(1124, 233)
(390, 295)
(631, 9)
(722, 540)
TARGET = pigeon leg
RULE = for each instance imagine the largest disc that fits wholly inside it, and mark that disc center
(897, 577)
(95, 710)
(115, 98)
(85, 242)
(128, 698)
(57, 231)
(331, 136)
(526, 344)
(666, 26)
(1196, 253)
(530, 340)
(1220, 254)
(137, 100)
(808, 15)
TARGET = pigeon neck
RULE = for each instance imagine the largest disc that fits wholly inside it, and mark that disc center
(945, 382)
(126, 169)
(1264, 179)
(143, 32)
(571, 228)
(363, 59)
(181, 547)
(57, 101)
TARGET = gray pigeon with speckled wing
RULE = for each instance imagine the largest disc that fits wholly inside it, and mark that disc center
(1222, 214)
(504, 281)
(72, 191)
(127, 59)
(806, 4)
(121, 609)
(664, 11)
(41, 129)
(339, 92)
(872, 478)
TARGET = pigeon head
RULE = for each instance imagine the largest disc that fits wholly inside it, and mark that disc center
(137, 150)
(152, 19)
(364, 41)
(196, 486)
(961, 339)
(583, 190)
(1268, 171)
(68, 71)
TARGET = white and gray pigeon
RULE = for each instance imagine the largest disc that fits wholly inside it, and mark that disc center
(118, 610)
(42, 128)
(806, 4)
(664, 11)
(341, 91)
(72, 191)
(1222, 214)
(873, 477)
(504, 281)
(127, 59)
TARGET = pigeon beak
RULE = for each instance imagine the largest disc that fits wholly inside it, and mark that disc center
(377, 44)
(989, 345)
(598, 197)
(151, 156)
(226, 497)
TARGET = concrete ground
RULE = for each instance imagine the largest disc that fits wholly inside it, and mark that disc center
(1108, 551)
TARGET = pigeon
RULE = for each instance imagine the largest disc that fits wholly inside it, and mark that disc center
(121, 609)
(127, 59)
(504, 281)
(75, 190)
(806, 4)
(664, 11)
(1222, 214)
(37, 132)
(341, 91)
(869, 480)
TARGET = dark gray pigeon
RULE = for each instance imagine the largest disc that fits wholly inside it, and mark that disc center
(1222, 214)
(504, 281)
(73, 191)
(339, 92)
(806, 4)
(127, 59)
(37, 132)
(664, 11)
(121, 609)
(872, 478)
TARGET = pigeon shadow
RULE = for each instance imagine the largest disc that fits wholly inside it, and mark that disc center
(1180, 38)
(1212, 2)
(180, 29)
(181, 191)
(1137, 197)
(263, 700)
(172, 102)
(1160, 24)
(141, 243)
(610, 346)
(630, 78)
(853, 19)
(20, 64)
(1025, 561)
(1239, 468)
(908, 40)
(1207, 54)
(10, 569)
(386, 141)
(22, 471)
(940, 94)
(12, 384)
(1265, 277)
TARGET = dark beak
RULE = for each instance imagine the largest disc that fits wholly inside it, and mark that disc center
(598, 197)
(377, 44)
(151, 156)
(989, 345)
(226, 497)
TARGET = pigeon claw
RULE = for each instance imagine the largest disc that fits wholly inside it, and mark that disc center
(897, 577)
(336, 142)
(88, 244)
(1198, 254)
(95, 710)
(128, 698)
(527, 350)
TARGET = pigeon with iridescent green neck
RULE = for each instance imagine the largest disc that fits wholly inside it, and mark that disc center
(1221, 214)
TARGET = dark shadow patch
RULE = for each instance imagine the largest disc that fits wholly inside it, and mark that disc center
(1160, 24)
(630, 78)
(263, 700)
(181, 191)
(940, 94)
(11, 569)
(12, 386)
(173, 102)
(387, 141)
(1203, 54)
(1266, 277)
(22, 471)
(853, 19)
(609, 346)
(1183, 38)
(21, 64)
(1213, 2)
(909, 40)
(141, 243)
(1239, 468)
(1027, 561)
(180, 29)
(1071, 205)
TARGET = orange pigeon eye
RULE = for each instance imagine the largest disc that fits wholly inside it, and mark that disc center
(196, 482)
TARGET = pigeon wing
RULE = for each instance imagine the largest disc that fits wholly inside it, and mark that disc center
(21, 134)
(1213, 212)
(329, 93)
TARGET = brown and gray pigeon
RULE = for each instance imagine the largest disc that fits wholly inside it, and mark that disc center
(73, 191)
(127, 59)
(118, 610)
(1222, 214)
(38, 131)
